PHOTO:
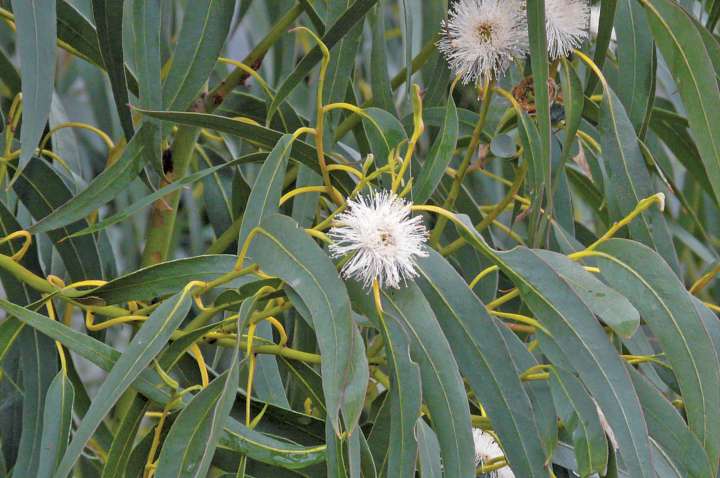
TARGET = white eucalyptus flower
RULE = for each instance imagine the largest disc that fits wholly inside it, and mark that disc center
(487, 448)
(481, 38)
(567, 23)
(382, 236)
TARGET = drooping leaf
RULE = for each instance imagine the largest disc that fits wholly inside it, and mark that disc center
(283, 250)
(146, 26)
(539, 60)
(189, 447)
(590, 443)
(146, 201)
(442, 386)
(104, 187)
(164, 279)
(202, 36)
(39, 365)
(397, 457)
(606, 21)
(57, 421)
(253, 133)
(668, 310)
(124, 439)
(678, 40)
(565, 315)
(579, 343)
(670, 431)
(629, 180)
(42, 190)
(636, 86)
(37, 33)
(265, 195)
(147, 343)
(108, 16)
(484, 359)
(382, 91)
(236, 437)
(439, 157)
(608, 304)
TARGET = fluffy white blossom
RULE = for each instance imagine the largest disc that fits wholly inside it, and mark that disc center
(383, 236)
(567, 23)
(487, 448)
(481, 38)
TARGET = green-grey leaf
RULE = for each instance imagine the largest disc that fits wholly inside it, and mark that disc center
(42, 190)
(108, 16)
(282, 249)
(439, 157)
(591, 447)
(77, 31)
(189, 447)
(607, 303)
(586, 348)
(629, 180)
(38, 362)
(266, 192)
(668, 310)
(354, 14)
(636, 84)
(680, 43)
(670, 431)
(147, 343)
(236, 437)
(202, 36)
(398, 457)
(104, 187)
(164, 279)
(604, 37)
(124, 438)
(37, 32)
(146, 26)
(442, 385)
(484, 359)
(579, 341)
(139, 205)
(252, 133)
(57, 421)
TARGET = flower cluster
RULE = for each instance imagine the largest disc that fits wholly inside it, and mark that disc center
(382, 236)
(481, 38)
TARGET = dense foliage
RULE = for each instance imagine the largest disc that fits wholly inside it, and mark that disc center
(377, 238)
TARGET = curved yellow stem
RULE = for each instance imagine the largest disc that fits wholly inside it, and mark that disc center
(481, 275)
(703, 281)
(418, 128)
(76, 124)
(251, 72)
(305, 190)
(643, 205)
(319, 235)
(347, 169)
(197, 355)
(523, 319)
(17, 257)
(94, 327)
